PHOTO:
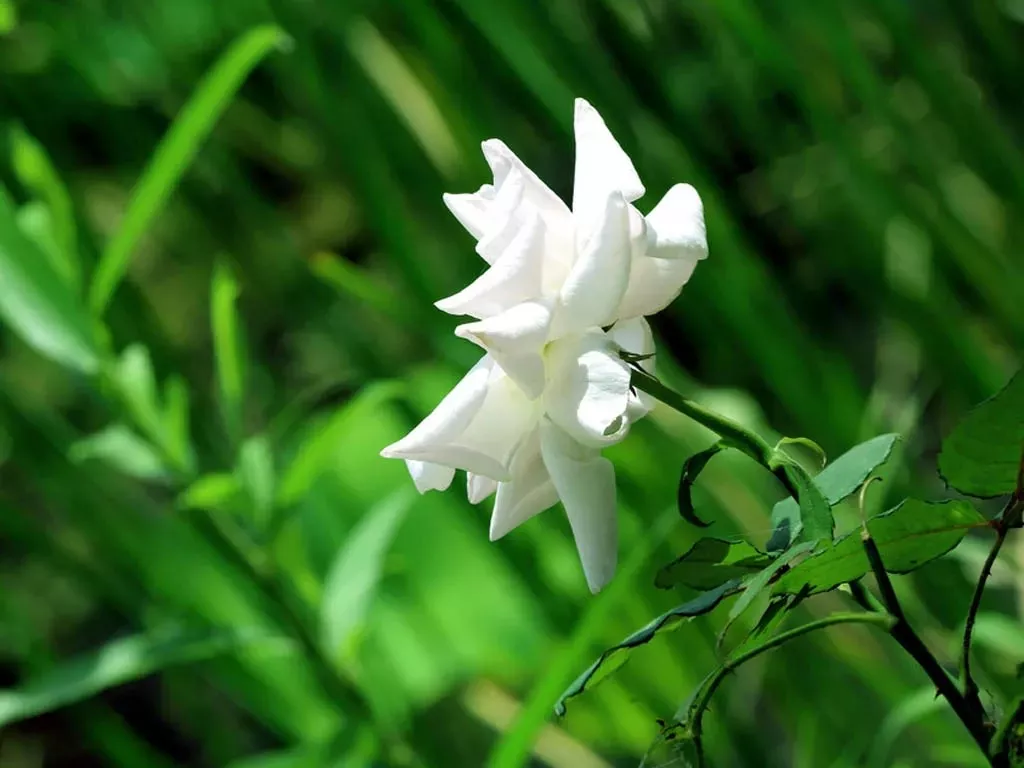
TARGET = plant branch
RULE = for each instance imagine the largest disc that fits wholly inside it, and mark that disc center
(970, 714)
(700, 703)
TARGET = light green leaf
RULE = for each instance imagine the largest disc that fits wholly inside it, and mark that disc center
(8, 16)
(816, 523)
(613, 658)
(908, 536)
(982, 456)
(37, 225)
(229, 350)
(692, 468)
(122, 661)
(838, 480)
(136, 384)
(711, 562)
(214, 491)
(357, 570)
(256, 475)
(176, 432)
(175, 153)
(34, 170)
(37, 303)
(122, 449)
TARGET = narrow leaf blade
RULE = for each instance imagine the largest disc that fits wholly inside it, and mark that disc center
(692, 468)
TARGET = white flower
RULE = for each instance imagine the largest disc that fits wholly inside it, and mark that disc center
(528, 421)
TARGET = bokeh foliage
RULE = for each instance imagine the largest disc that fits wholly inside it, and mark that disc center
(863, 187)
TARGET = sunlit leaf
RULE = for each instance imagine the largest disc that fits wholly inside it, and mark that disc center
(711, 562)
(617, 655)
(122, 661)
(692, 467)
(173, 156)
(907, 536)
(136, 384)
(256, 474)
(982, 455)
(214, 491)
(177, 437)
(838, 480)
(357, 570)
(37, 303)
(229, 351)
(123, 450)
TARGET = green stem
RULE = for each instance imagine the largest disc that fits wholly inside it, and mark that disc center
(971, 687)
(702, 700)
(970, 713)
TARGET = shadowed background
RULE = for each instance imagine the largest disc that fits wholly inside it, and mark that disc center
(863, 191)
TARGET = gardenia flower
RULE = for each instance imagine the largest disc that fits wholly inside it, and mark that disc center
(565, 292)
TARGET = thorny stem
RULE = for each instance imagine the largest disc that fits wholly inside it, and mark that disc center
(700, 704)
(971, 715)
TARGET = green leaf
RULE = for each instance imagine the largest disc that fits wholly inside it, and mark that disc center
(840, 479)
(256, 475)
(982, 455)
(229, 350)
(816, 523)
(711, 562)
(757, 583)
(8, 16)
(175, 153)
(804, 442)
(613, 658)
(36, 224)
(357, 569)
(692, 467)
(176, 432)
(908, 536)
(36, 173)
(136, 384)
(214, 491)
(122, 449)
(122, 661)
(37, 303)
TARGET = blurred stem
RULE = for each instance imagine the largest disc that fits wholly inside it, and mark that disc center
(700, 703)
(970, 713)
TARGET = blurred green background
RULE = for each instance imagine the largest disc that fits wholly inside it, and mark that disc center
(863, 187)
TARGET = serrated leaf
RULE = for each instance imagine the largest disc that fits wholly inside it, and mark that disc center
(982, 455)
(711, 562)
(617, 655)
(837, 481)
(123, 450)
(119, 662)
(357, 570)
(907, 536)
(214, 491)
(37, 303)
(691, 469)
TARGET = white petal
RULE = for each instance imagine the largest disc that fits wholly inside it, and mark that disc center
(479, 487)
(472, 210)
(505, 164)
(588, 388)
(601, 164)
(515, 339)
(597, 281)
(476, 427)
(529, 492)
(429, 477)
(634, 335)
(586, 484)
(654, 284)
(676, 226)
(514, 276)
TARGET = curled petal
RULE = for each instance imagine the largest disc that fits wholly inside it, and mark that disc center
(588, 388)
(515, 339)
(476, 427)
(429, 477)
(479, 487)
(472, 210)
(602, 166)
(505, 165)
(514, 276)
(529, 492)
(597, 281)
(676, 226)
(586, 484)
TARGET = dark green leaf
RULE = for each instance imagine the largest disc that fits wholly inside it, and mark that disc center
(37, 303)
(617, 655)
(907, 536)
(757, 583)
(838, 480)
(711, 562)
(692, 467)
(982, 455)
(119, 662)
(357, 570)
(816, 523)
(174, 154)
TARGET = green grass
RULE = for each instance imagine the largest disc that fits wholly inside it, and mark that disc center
(863, 187)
